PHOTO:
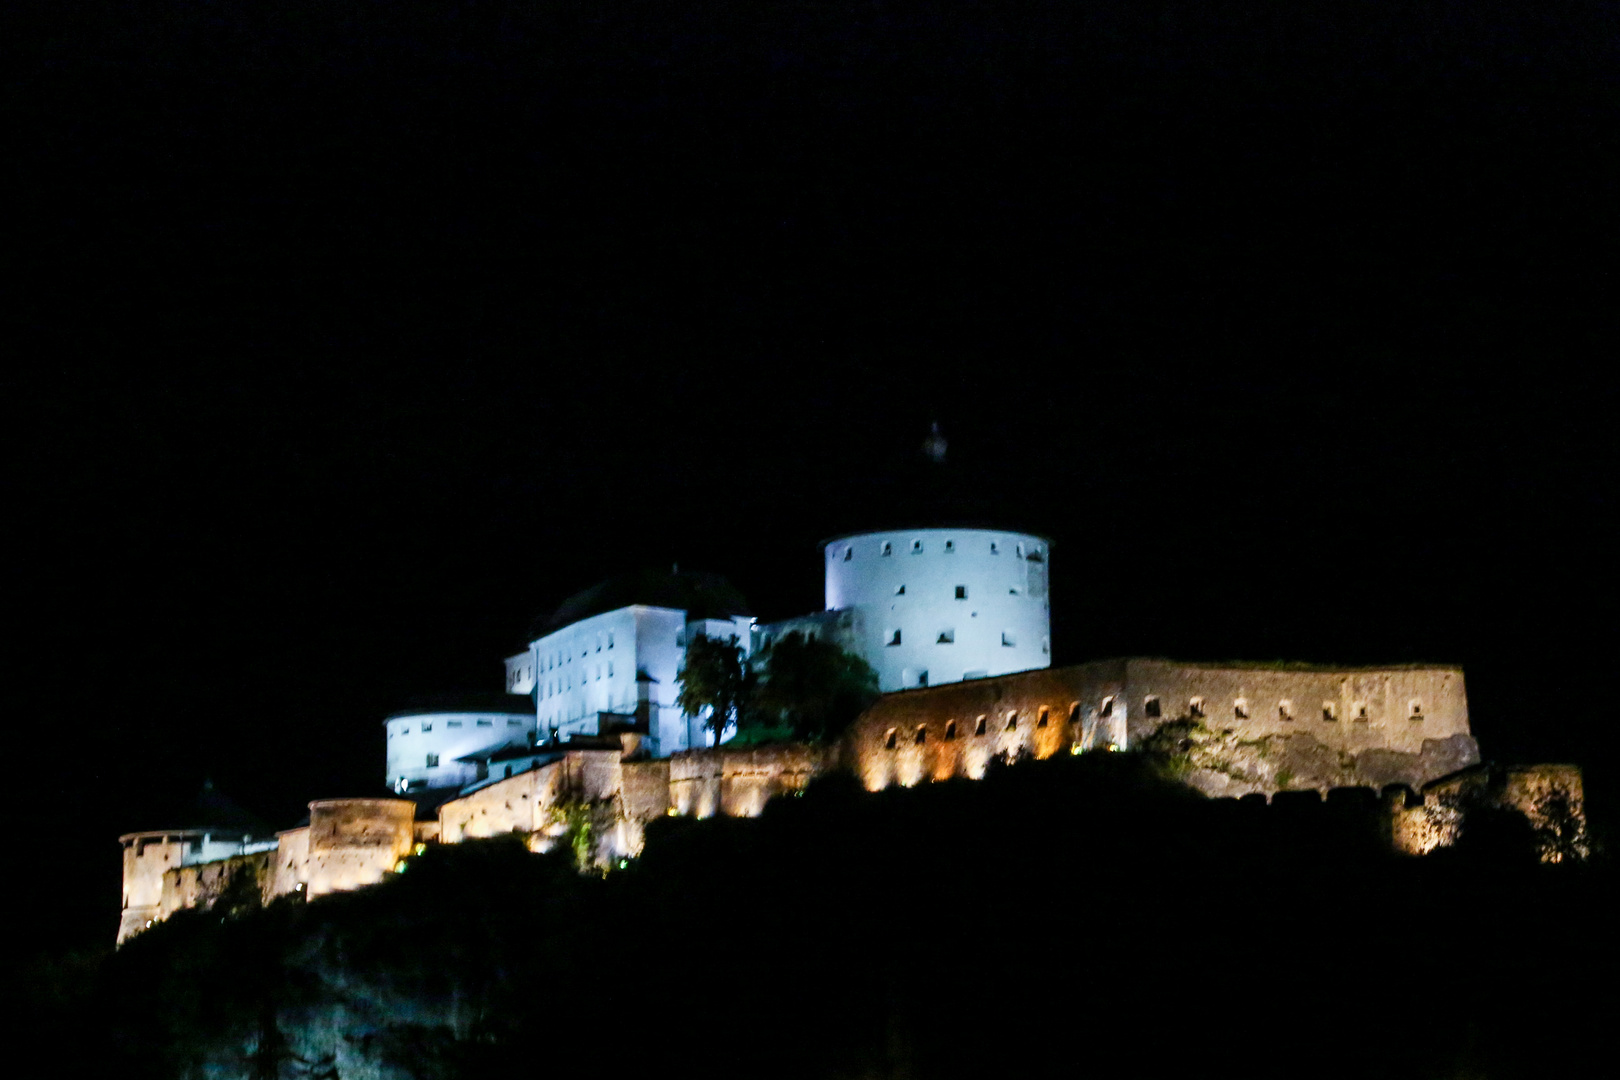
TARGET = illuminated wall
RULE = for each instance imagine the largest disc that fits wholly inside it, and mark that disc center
(148, 856)
(591, 667)
(938, 606)
(424, 745)
(1260, 728)
(354, 842)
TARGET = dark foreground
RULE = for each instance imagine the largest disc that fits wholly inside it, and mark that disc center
(1071, 917)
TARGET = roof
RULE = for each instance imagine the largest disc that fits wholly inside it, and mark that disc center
(212, 811)
(700, 595)
(473, 701)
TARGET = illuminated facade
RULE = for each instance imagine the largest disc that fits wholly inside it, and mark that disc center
(932, 606)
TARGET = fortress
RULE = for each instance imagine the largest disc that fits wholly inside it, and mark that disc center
(588, 744)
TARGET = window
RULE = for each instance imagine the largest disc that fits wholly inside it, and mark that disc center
(921, 736)
(1012, 721)
(1240, 709)
(900, 590)
(486, 723)
(1036, 555)
(1106, 709)
(1019, 551)
(1045, 714)
(404, 731)
(610, 639)
(452, 723)
(950, 731)
(598, 642)
(1009, 639)
(509, 771)
(1330, 711)
(1285, 710)
(947, 637)
(1361, 711)
(995, 548)
(1195, 707)
(849, 553)
(1074, 713)
(1414, 709)
(433, 761)
(922, 678)
(510, 722)
(978, 725)
(894, 637)
(888, 548)
(961, 592)
(916, 547)
(610, 666)
(891, 739)
(1013, 591)
(950, 547)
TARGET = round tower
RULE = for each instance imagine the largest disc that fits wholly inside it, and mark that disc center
(940, 605)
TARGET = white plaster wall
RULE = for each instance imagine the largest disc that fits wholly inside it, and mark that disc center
(1006, 579)
(588, 667)
(520, 672)
(451, 734)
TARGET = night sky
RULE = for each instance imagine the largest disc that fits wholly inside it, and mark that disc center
(346, 338)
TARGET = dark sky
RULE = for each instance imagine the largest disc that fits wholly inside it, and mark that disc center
(351, 336)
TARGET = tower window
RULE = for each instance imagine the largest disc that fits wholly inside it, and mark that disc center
(1330, 711)
(921, 736)
(961, 592)
(916, 547)
(979, 724)
(950, 547)
(1195, 707)
(1012, 721)
(922, 677)
(894, 637)
(1240, 709)
(1285, 709)
(452, 723)
(1019, 551)
(947, 637)
(1074, 713)
(1361, 711)
(888, 548)
(1046, 645)
(1036, 555)
(610, 639)
(849, 553)
(486, 723)
(1009, 639)
(1150, 706)
(433, 761)
(1107, 708)
(1045, 714)
(891, 739)
(995, 548)
(950, 731)
(900, 590)
(1414, 709)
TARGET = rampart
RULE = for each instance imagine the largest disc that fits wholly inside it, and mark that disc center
(1550, 798)
(1236, 729)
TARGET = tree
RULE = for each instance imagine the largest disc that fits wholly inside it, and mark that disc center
(714, 677)
(812, 687)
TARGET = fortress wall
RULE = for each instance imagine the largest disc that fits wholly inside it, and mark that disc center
(645, 795)
(1372, 708)
(739, 782)
(518, 804)
(1551, 798)
(355, 842)
(290, 871)
(1389, 725)
(201, 885)
(1012, 707)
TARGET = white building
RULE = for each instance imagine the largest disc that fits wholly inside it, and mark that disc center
(447, 743)
(609, 657)
(931, 606)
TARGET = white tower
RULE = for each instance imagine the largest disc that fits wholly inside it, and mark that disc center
(940, 605)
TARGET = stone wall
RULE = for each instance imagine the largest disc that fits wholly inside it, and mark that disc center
(203, 884)
(1237, 729)
(1550, 797)
(354, 842)
(739, 782)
